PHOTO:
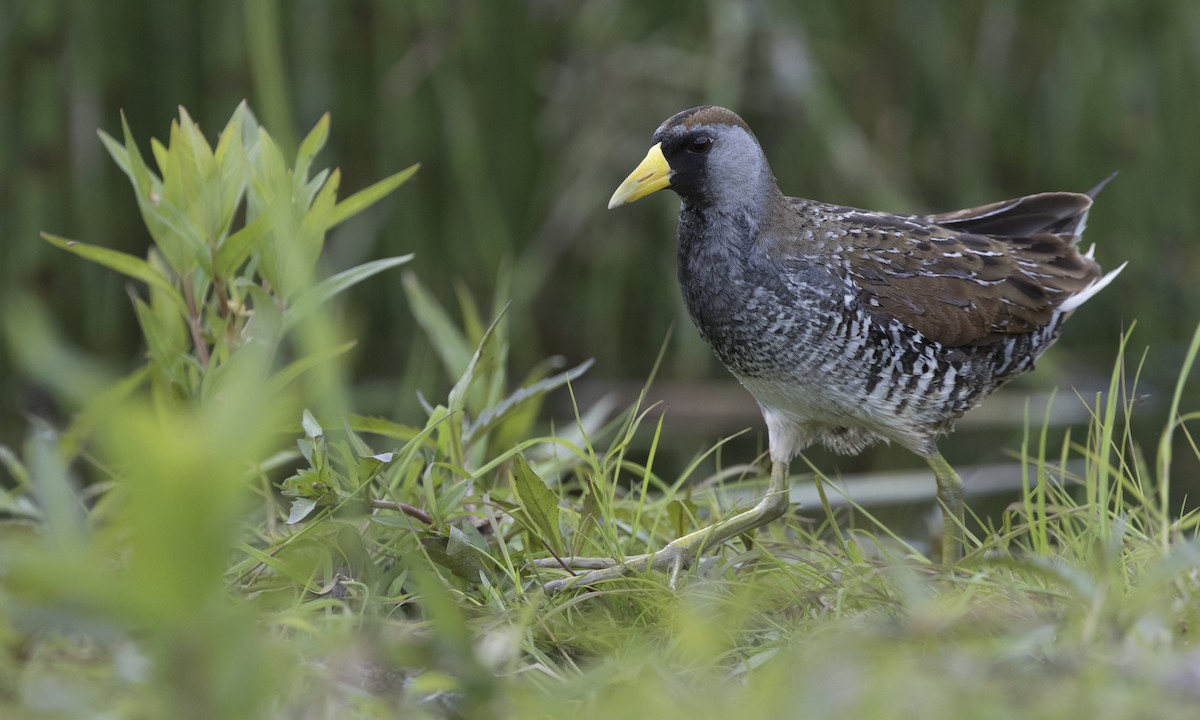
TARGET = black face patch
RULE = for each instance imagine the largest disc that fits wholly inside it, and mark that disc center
(686, 151)
(682, 137)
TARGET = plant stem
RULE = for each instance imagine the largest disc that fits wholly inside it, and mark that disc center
(409, 510)
(189, 295)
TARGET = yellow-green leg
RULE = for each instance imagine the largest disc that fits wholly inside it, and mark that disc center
(680, 553)
(950, 497)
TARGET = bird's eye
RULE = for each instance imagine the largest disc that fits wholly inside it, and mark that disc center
(700, 144)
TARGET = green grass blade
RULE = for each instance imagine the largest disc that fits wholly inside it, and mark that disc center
(496, 414)
(447, 340)
(1164, 443)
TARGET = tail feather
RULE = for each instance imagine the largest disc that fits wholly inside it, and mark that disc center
(1081, 223)
(1100, 186)
(1086, 294)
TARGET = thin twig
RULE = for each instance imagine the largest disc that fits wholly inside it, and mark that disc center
(194, 323)
(409, 510)
(565, 565)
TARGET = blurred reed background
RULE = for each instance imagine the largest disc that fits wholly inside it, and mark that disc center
(525, 115)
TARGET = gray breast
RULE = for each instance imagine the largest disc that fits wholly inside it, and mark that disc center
(747, 311)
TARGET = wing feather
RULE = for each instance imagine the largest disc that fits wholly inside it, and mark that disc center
(972, 276)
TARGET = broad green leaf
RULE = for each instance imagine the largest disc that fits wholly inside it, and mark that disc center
(318, 214)
(252, 360)
(158, 338)
(320, 293)
(231, 163)
(237, 248)
(278, 221)
(201, 171)
(171, 343)
(147, 188)
(382, 426)
(312, 428)
(367, 197)
(466, 564)
(190, 184)
(139, 173)
(174, 231)
(458, 542)
(346, 460)
(230, 139)
(311, 145)
(306, 451)
(197, 143)
(123, 263)
(301, 507)
(539, 503)
(310, 189)
(266, 322)
(305, 247)
(168, 231)
(119, 154)
(371, 466)
(161, 155)
(268, 172)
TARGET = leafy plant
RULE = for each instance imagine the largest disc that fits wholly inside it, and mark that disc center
(233, 315)
(237, 235)
(448, 475)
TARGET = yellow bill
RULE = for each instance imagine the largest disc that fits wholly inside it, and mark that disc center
(652, 175)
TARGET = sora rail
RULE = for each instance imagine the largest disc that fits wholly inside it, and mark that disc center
(852, 327)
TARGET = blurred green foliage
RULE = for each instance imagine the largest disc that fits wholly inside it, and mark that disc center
(150, 579)
(147, 555)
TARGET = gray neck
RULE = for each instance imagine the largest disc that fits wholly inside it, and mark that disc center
(729, 225)
(720, 222)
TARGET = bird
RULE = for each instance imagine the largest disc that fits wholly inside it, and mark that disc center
(852, 327)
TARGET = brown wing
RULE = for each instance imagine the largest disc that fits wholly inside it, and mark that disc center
(972, 276)
(1057, 213)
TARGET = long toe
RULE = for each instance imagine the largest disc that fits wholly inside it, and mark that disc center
(578, 563)
(673, 559)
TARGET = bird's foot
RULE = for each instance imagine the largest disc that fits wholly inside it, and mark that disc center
(680, 553)
(673, 559)
(950, 497)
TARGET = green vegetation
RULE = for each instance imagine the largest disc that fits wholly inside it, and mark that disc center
(241, 556)
(260, 470)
